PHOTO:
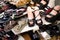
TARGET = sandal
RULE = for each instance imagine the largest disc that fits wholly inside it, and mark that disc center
(51, 17)
(38, 18)
(31, 22)
(31, 17)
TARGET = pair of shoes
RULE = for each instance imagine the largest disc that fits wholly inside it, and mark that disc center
(31, 22)
(36, 18)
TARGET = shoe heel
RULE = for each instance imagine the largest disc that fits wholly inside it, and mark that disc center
(31, 25)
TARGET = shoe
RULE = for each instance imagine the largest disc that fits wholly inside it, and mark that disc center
(51, 17)
(31, 17)
(34, 36)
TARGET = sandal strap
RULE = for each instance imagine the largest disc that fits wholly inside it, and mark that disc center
(30, 20)
(38, 19)
(56, 10)
(52, 14)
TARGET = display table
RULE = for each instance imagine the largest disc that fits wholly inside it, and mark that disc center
(17, 30)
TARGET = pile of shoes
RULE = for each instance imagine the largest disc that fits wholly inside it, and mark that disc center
(10, 18)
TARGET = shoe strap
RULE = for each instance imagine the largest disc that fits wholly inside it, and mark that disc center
(56, 10)
(38, 19)
(30, 20)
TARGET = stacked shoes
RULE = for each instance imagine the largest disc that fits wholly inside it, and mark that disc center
(4, 18)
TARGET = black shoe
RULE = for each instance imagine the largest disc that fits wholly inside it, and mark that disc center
(34, 36)
(10, 33)
(53, 18)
